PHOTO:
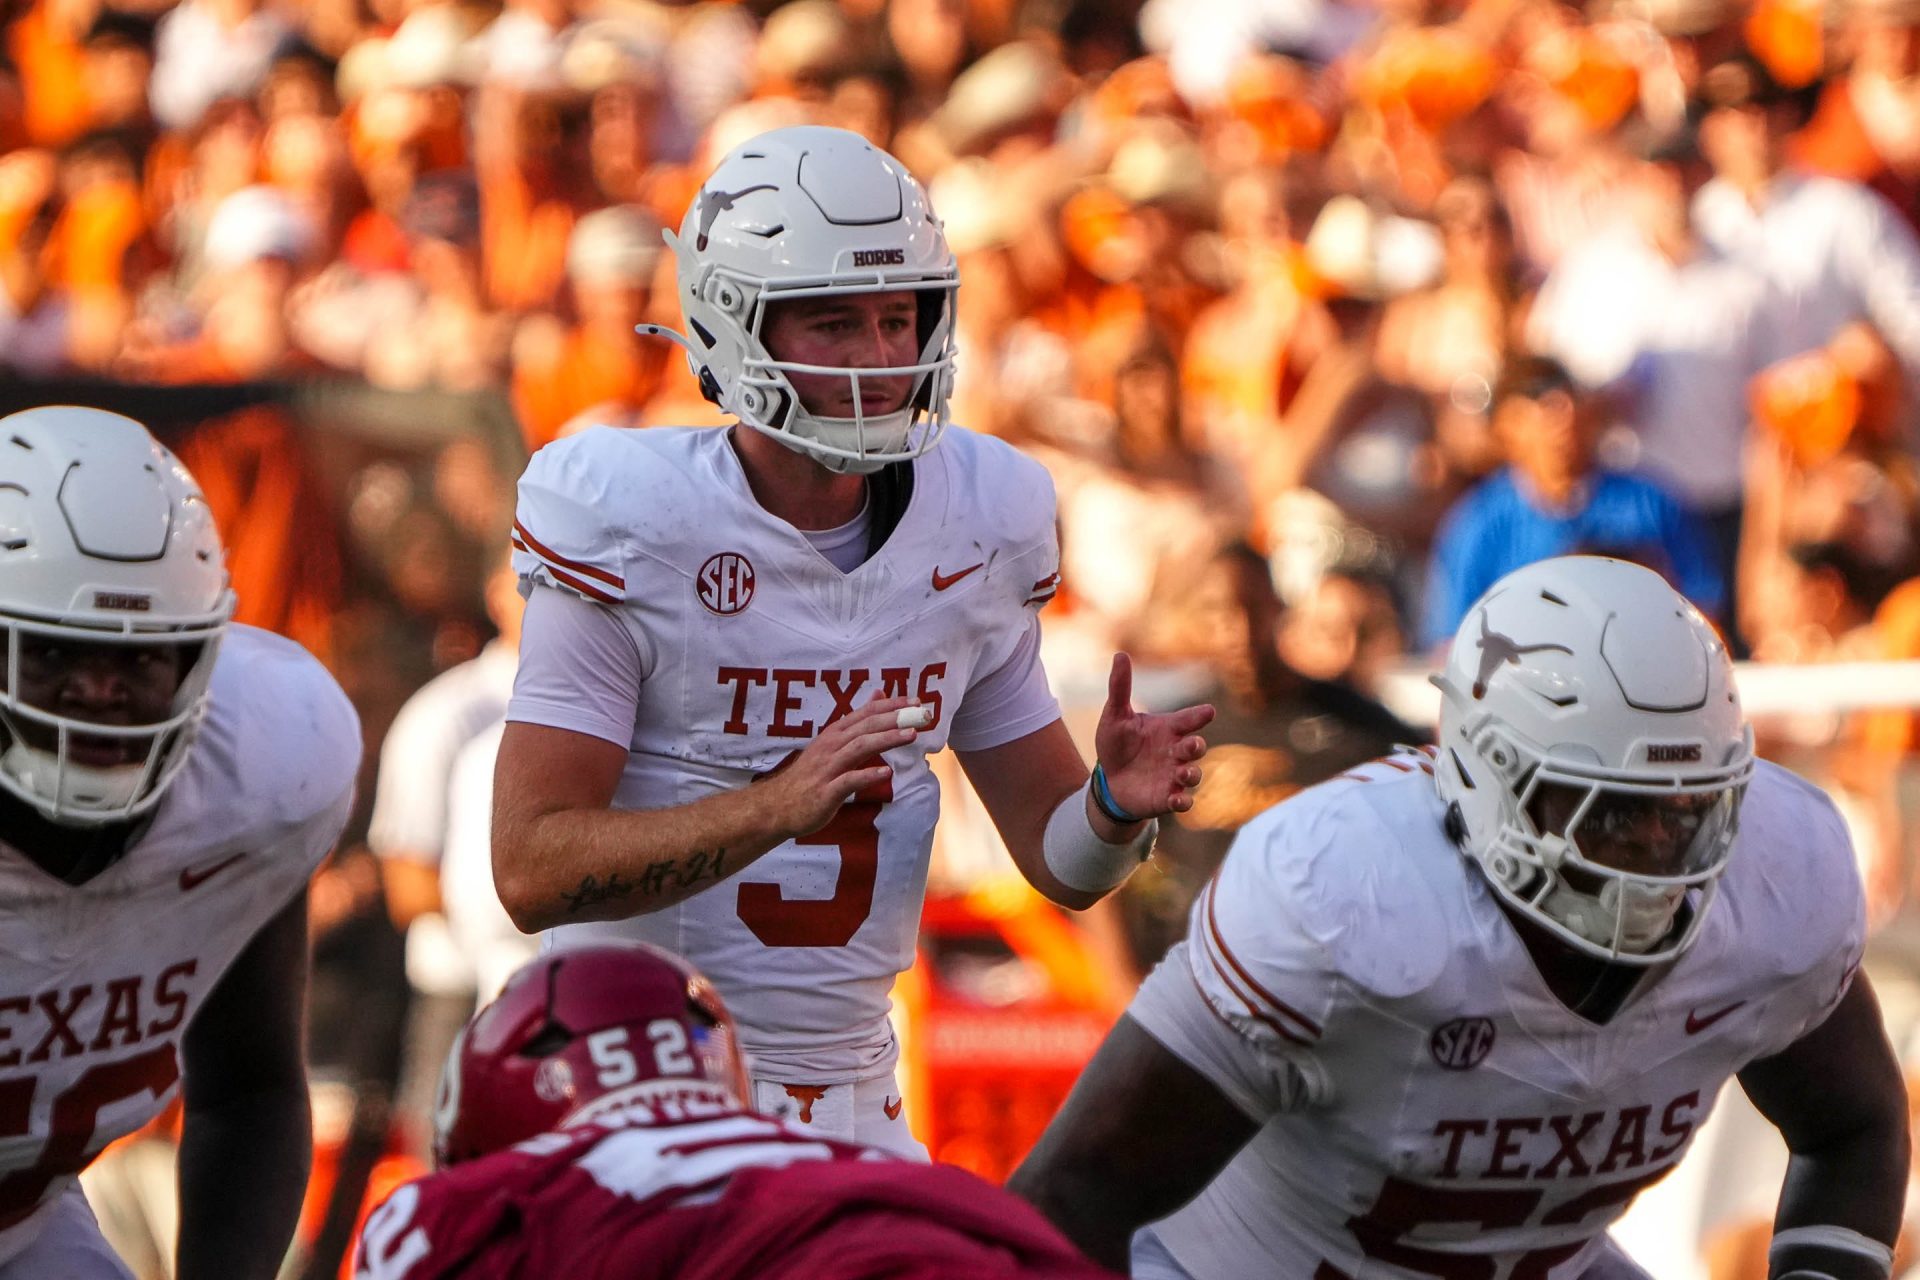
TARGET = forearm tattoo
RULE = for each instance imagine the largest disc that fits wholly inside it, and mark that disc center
(657, 878)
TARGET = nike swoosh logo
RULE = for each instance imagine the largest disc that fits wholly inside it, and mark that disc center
(1696, 1023)
(192, 878)
(941, 581)
(892, 1107)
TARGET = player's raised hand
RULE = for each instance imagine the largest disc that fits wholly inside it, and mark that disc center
(1149, 758)
(809, 787)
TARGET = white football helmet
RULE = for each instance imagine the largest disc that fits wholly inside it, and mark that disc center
(809, 212)
(1593, 748)
(104, 539)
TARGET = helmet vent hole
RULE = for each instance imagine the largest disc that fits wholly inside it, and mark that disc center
(765, 233)
(1551, 598)
(23, 444)
(549, 1040)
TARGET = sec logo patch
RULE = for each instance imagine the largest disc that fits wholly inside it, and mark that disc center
(1462, 1043)
(725, 583)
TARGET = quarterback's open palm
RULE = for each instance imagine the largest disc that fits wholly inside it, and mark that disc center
(1151, 758)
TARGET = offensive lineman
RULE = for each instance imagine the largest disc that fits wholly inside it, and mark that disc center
(168, 782)
(740, 645)
(590, 1126)
(1445, 1016)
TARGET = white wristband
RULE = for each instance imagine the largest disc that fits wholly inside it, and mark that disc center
(1079, 858)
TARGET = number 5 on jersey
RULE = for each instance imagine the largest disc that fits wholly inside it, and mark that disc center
(780, 921)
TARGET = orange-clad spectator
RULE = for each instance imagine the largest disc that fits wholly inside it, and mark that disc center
(616, 61)
(1451, 338)
(1828, 464)
(44, 42)
(1408, 94)
(266, 496)
(117, 62)
(406, 117)
(1889, 738)
(1271, 111)
(1867, 125)
(599, 363)
(930, 38)
(1247, 352)
(97, 253)
(1350, 434)
(534, 176)
(427, 326)
(189, 174)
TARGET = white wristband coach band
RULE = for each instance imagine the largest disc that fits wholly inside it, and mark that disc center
(1080, 859)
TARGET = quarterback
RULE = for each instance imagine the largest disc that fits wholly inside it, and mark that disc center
(1446, 1015)
(590, 1125)
(168, 782)
(741, 645)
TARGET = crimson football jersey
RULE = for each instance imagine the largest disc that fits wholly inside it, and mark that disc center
(732, 1197)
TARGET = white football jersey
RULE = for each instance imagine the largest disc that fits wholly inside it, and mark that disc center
(1430, 1108)
(99, 981)
(751, 643)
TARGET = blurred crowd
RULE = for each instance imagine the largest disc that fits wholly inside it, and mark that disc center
(1323, 314)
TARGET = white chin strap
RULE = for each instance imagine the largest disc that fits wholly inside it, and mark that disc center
(71, 788)
(1642, 914)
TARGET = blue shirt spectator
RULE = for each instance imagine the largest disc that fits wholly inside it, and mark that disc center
(1552, 499)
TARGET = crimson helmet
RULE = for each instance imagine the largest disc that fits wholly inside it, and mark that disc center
(579, 1034)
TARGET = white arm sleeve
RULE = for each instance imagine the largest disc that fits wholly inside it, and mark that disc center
(581, 665)
(1009, 702)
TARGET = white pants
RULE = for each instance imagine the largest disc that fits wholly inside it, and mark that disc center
(867, 1111)
(68, 1246)
(1151, 1261)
